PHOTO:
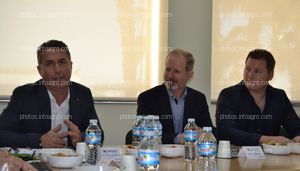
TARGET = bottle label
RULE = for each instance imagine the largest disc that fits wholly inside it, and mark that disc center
(157, 132)
(190, 135)
(135, 131)
(147, 132)
(207, 148)
(92, 138)
(148, 157)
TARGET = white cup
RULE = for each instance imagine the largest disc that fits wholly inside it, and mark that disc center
(224, 150)
(224, 164)
(128, 163)
(80, 149)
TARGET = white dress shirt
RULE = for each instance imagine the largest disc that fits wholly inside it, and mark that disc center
(59, 113)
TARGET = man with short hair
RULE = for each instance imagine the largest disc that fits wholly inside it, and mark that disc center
(252, 112)
(52, 112)
(173, 101)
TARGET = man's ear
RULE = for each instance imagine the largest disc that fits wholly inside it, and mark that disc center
(40, 70)
(271, 74)
(190, 75)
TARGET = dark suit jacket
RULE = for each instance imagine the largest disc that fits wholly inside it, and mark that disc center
(241, 121)
(28, 114)
(156, 102)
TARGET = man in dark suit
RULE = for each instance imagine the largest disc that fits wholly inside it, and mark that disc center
(252, 112)
(52, 112)
(173, 101)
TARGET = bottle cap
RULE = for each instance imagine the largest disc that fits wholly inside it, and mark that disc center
(93, 121)
(191, 119)
(207, 128)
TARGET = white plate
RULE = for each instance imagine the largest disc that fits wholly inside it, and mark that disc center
(96, 168)
(295, 148)
(172, 150)
(131, 151)
(22, 150)
(49, 151)
(276, 149)
(64, 161)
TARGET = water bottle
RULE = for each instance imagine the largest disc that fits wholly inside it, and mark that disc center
(190, 140)
(136, 131)
(142, 128)
(207, 164)
(157, 129)
(93, 142)
(146, 128)
(207, 150)
(207, 144)
(148, 151)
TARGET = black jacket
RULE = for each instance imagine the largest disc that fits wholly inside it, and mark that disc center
(156, 102)
(240, 120)
(28, 114)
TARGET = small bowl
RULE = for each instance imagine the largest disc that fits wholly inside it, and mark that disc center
(67, 161)
(129, 150)
(172, 150)
(50, 151)
(295, 148)
(276, 149)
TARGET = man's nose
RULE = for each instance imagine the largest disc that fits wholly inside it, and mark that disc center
(250, 74)
(57, 68)
(170, 75)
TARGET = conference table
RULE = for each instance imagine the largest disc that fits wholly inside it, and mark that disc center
(289, 162)
(271, 162)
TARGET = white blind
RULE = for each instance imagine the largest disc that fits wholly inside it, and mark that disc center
(241, 26)
(116, 45)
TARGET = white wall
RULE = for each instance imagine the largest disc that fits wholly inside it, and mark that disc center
(190, 29)
(116, 120)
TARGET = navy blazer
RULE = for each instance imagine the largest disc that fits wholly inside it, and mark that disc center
(28, 114)
(241, 121)
(156, 102)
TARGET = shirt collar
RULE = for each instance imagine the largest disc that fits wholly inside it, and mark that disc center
(173, 97)
(52, 98)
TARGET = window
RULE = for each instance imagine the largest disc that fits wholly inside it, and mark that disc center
(116, 45)
(241, 26)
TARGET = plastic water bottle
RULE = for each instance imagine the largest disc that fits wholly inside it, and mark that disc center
(207, 144)
(148, 151)
(190, 140)
(157, 129)
(146, 128)
(207, 150)
(93, 142)
(136, 131)
(142, 128)
(149, 126)
(207, 164)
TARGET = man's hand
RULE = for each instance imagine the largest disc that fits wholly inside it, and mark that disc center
(74, 132)
(181, 138)
(14, 163)
(53, 138)
(296, 139)
(275, 139)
